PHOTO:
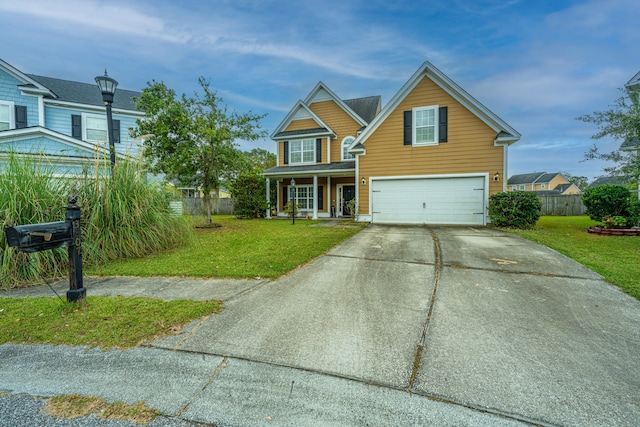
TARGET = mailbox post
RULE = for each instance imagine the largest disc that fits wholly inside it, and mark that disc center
(77, 291)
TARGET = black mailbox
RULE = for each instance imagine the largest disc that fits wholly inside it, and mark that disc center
(39, 237)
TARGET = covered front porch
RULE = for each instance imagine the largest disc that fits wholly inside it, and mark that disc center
(319, 191)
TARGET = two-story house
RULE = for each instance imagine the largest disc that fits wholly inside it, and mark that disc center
(433, 154)
(62, 119)
(549, 183)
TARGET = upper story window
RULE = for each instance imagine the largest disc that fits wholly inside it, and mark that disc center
(6, 115)
(302, 151)
(346, 142)
(542, 185)
(94, 128)
(425, 129)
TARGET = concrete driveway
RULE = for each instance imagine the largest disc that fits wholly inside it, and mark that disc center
(471, 316)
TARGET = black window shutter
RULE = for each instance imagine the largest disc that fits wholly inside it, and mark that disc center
(318, 150)
(21, 116)
(285, 195)
(76, 126)
(320, 198)
(116, 131)
(408, 130)
(286, 152)
(443, 126)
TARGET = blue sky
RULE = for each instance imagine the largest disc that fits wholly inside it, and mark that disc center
(538, 64)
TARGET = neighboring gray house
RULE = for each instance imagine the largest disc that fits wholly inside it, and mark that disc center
(62, 119)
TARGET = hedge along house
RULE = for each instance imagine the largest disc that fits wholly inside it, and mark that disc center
(62, 120)
(432, 155)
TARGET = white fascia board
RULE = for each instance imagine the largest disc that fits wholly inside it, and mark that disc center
(87, 107)
(336, 99)
(38, 131)
(289, 118)
(19, 75)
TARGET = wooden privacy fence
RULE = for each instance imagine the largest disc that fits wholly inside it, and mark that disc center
(562, 205)
(195, 206)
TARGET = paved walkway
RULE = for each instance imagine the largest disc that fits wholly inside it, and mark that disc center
(396, 326)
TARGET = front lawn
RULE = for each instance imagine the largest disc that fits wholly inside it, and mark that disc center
(617, 258)
(238, 249)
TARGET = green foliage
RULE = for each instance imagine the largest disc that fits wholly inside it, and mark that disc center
(250, 192)
(614, 221)
(192, 139)
(518, 209)
(606, 201)
(122, 216)
(621, 122)
(634, 211)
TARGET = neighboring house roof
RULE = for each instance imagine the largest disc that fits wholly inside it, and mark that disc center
(630, 145)
(547, 192)
(547, 177)
(525, 178)
(608, 180)
(85, 93)
(317, 168)
(563, 187)
(633, 83)
(505, 134)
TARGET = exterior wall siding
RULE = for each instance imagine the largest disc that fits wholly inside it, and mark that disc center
(9, 91)
(339, 121)
(302, 124)
(470, 147)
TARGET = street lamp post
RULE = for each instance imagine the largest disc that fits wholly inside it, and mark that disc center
(108, 87)
(293, 201)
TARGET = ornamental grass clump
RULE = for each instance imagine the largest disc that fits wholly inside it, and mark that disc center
(123, 215)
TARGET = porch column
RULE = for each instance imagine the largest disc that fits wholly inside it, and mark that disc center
(268, 199)
(315, 197)
(329, 195)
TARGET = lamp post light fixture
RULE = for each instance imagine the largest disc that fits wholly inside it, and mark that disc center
(293, 201)
(108, 87)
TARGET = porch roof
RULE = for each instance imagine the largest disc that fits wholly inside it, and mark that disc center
(324, 169)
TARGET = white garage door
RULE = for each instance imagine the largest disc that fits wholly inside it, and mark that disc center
(429, 201)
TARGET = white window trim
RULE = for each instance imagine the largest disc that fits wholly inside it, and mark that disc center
(310, 196)
(522, 187)
(86, 116)
(414, 112)
(12, 108)
(301, 140)
(342, 149)
(542, 185)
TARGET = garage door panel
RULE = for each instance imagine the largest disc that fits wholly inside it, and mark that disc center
(429, 200)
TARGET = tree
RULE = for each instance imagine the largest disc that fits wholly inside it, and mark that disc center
(582, 182)
(622, 123)
(192, 139)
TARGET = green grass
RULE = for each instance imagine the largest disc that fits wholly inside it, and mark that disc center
(237, 249)
(617, 258)
(106, 322)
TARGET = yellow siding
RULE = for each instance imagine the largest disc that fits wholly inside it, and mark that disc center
(302, 124)
(469, 149)
(339, 121)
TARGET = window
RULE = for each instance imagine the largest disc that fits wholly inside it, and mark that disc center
(304, 196)
(94, 128)
(302, 151)
(513, 188)
(521, 187)
(541, 185)
(345, 145)
(425, 129)
(6, 115)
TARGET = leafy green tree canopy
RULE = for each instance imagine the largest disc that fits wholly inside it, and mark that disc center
(622, 123)
(193, 139)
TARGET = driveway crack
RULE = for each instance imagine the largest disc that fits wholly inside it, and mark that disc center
(417, 360)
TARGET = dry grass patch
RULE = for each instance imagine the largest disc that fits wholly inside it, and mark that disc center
(75, 405)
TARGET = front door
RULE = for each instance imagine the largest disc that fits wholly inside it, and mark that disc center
(348, 194)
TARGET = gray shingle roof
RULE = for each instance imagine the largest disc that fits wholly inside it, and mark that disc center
(633, 144)
(615, 180)
(525, 178)
(547, 177)
(85, 93)
(301, 132)
(324, 167)
(367, 108)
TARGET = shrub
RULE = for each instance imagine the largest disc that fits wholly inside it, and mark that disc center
(250, 192)
(122, 215)
(606, 201)
(634, 211)
(614, 221)
(518, 209)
